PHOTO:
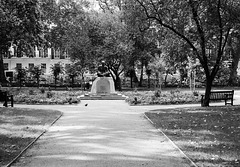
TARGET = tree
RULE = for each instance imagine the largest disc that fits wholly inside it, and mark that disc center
(20, 24)
(67, 17)
(73, 71)
(142, 35)
(175, 53)
(234, 57)
(56, 70)
(73, 31)
(157, 67)
(113, 44)
(36, 73)
(21, 75)
(115, 48)
(201, 24)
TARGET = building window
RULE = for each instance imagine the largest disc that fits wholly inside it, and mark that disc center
(62, 55)
(19, 65)
(43, 67)
(40, 50)
(32, 52)
(57, 55)
(5, 65)
(45, 52)
(15, 51)
(30, 66)
(66, 54)
(52, 53)
(19, 52)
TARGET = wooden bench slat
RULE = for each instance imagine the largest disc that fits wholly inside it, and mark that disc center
(220, 95)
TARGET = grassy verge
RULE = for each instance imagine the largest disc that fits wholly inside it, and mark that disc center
(19, 127)
(209, 136)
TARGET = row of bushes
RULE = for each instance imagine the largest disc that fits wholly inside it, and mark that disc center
(159, 97)
(42, 96)
(46, 96)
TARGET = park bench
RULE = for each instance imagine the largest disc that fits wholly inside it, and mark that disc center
(4, 97)
(225, 95)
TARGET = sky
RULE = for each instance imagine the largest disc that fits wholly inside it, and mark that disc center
(94, 4)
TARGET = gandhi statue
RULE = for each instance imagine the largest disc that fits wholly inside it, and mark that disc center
(103, 70)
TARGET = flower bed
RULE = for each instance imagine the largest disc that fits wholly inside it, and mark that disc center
(40, 96)
(158, 97)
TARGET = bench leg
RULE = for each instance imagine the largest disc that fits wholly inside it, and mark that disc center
(5, 103)
(11, 100)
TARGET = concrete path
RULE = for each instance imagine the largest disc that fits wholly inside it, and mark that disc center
(102, 134)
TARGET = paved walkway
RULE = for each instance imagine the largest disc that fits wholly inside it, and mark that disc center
(102, 134)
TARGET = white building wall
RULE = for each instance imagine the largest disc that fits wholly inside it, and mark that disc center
(12, 62)
(37, 60)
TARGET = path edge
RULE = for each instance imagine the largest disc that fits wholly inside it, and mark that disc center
(192, 164)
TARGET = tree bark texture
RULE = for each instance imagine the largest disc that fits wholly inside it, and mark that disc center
(235, 59)
(2, 74)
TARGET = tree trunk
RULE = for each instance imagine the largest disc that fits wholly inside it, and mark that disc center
(141, 76)
(116, 78)
(132, 74)
(157, 79)
(20, 82)
(2, 74)
(208, 89)
(55, 82)
(165, 80)
(72, 81)
(131, 80)
(38, 82)
(149, 83)
(233, 70)
(118, 84)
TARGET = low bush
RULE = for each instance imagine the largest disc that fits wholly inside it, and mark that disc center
(37, 96)
(158, 97)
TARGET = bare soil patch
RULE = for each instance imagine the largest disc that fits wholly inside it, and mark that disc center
(19, 127)
(209, 136)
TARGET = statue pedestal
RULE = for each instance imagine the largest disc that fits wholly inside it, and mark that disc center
(103, 86)
(103, 89)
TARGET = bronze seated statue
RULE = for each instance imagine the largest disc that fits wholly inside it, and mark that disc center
(103, 70)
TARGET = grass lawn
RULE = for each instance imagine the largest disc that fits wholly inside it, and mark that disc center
(209, 136)
(19, 127)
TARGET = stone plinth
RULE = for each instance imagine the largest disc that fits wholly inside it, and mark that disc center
(103, 89)
(103, 85)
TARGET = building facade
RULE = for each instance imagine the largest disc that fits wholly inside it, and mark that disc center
(43, 57)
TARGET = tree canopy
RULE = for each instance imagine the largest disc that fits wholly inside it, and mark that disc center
(128, 34)
(203, 25)
(20, 24)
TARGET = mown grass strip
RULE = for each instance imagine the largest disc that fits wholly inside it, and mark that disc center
(21, 127)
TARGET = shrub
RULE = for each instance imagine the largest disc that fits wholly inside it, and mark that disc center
(195, 93)
(42, 90)
(49, 97)
(157, 93)
(49, 94)
(31, 92)
(158, 97)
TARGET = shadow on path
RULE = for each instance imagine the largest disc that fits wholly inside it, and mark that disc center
(103, 134)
